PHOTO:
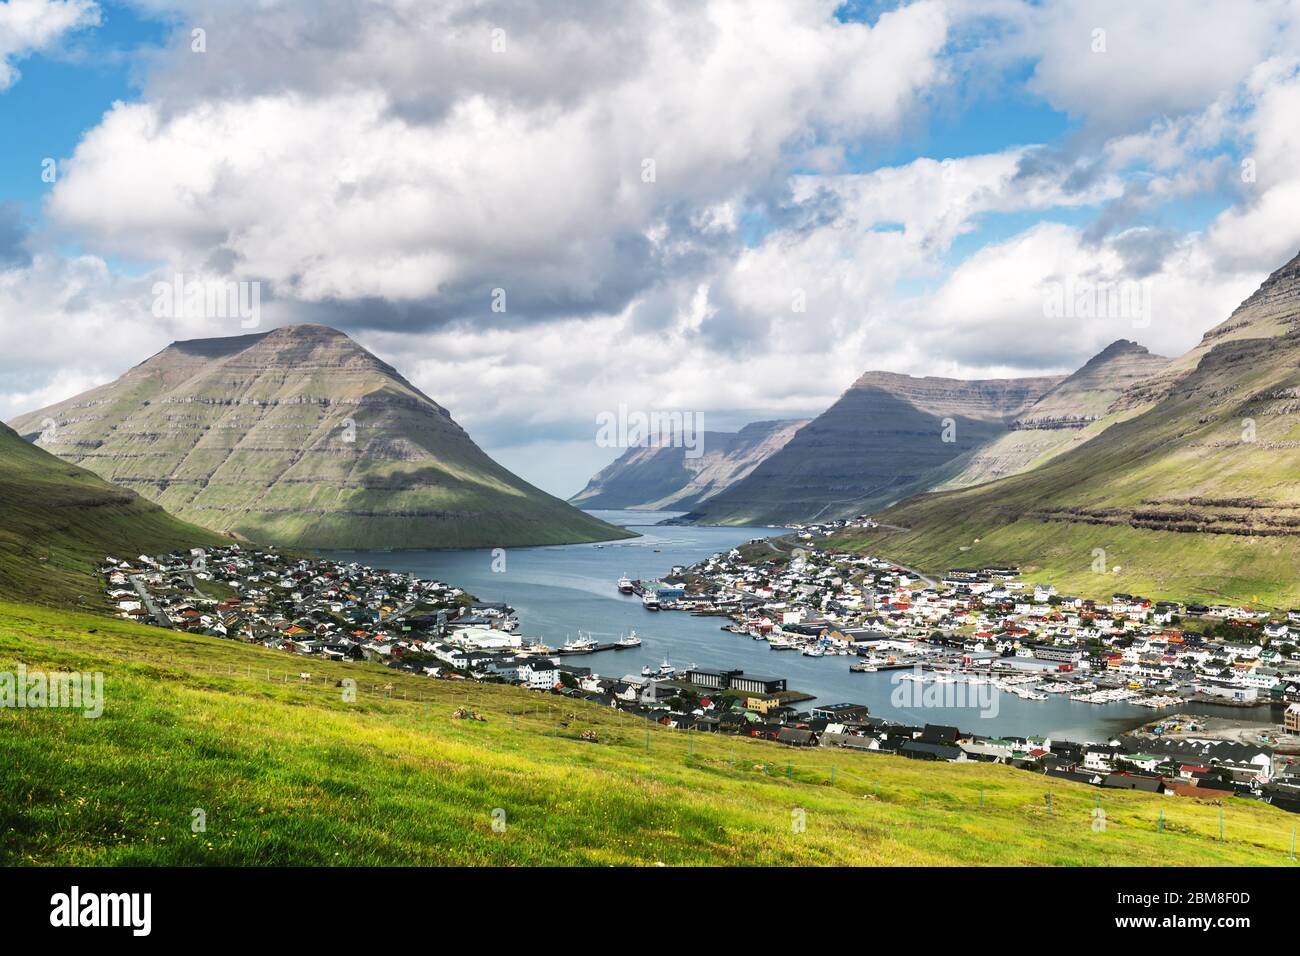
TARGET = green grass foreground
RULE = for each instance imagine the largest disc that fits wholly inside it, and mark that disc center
(288, 773)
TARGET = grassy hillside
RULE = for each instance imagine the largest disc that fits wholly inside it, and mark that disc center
(1196, 495)
(57, 521)
(287, 773)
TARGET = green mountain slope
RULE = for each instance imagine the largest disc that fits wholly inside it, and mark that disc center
(300, 437)
(1195, 496)
(885, 438)
(57, 521)
(286, 773)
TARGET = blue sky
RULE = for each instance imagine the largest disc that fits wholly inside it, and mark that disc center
(917, 172)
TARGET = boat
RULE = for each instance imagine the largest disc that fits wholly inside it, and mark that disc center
(666, 669)
(813, 652)
(630, 641)
(863, 667)
(647, 671)
(650, 600)
(625, 584)
(579, 645)
(781, 644)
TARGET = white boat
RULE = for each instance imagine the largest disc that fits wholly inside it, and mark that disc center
(650, 600)
(781, 644)
(647, 671)
(630, 641)
(666, 669)
(813, 652)
(625, 584)
(579, 644)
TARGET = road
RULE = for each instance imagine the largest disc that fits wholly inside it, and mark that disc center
(158, 617)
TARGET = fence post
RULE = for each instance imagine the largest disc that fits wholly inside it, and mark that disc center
(731, 765)
(1220, 824)
(1161, 826)
(788, 771)
(832, 775)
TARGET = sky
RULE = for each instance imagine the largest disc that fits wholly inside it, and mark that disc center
(541, 211)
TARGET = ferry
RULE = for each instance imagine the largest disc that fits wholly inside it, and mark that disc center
(630, 641)
(625, 584)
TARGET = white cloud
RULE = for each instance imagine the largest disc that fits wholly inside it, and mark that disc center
(31, 26)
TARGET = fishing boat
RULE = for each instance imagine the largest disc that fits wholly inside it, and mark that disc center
(630, 641)
(650, 600)
(647, 671)
(666, 669)
(781, 644)
(579, 645)
(625, 584)
(813, 652)
(863, 667)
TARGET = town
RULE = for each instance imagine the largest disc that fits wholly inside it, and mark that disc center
(984, 629)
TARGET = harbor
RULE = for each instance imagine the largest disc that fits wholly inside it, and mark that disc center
(559, 591)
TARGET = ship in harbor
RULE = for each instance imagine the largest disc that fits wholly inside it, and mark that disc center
(626, 584)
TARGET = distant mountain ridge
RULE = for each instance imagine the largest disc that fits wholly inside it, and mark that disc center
(666, 478)
(887, 436)
(301, 437)
(1195, 494)
(1066, 415)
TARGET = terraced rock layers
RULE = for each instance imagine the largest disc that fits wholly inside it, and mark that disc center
(301, 437)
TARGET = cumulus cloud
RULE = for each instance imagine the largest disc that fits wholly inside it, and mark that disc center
(32, 26)
(571, 181)
(670, 195)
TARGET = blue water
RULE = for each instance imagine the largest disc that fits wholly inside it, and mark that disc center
(560, 590)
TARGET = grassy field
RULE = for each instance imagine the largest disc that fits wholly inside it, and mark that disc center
(287, 772)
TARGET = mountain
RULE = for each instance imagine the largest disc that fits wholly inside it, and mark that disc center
(58, 521)
(886, 437)
(1196, 495)
(662, 478)
(301, 437)
(1065, 416)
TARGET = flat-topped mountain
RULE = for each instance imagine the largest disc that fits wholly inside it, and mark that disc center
(1067, 415)
(666, 478)
(1196, 495)
(886, 437)
(301, 437)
